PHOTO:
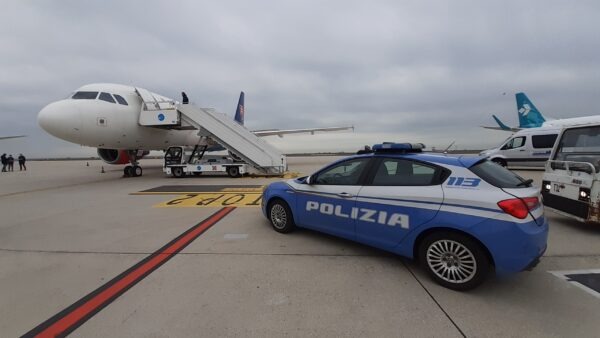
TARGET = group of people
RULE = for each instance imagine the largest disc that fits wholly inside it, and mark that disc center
(8, 162)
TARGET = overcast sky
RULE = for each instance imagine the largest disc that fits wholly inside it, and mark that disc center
(427, 71)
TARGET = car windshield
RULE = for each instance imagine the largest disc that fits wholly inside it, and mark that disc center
(497, 175)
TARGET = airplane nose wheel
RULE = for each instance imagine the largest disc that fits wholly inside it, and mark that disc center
(132, 171)
(128, 171)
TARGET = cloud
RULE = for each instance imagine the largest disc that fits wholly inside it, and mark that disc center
(432, 71)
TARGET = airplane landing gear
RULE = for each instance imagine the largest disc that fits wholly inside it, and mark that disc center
(133, 170)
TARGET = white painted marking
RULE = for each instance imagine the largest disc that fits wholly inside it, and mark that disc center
(235, 236)
(562, 275)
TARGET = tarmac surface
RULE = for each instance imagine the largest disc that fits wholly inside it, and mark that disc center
(67, 230)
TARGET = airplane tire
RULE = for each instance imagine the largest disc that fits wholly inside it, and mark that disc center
(233, 171)
(137, 171)
(128, 171)
(178, 172)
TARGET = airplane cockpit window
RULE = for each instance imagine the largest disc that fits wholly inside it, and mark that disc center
(84, 96)
(106, 97)
(120, 99)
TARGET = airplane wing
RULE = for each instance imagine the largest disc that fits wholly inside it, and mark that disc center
(7, 137)
(281, 132)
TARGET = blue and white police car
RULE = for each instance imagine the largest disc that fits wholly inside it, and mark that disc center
(461, 217)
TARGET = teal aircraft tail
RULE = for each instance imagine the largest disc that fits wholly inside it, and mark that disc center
(529, 115)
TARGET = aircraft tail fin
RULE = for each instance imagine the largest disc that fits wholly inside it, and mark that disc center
(529, 115)
(502, 125)
(239, 112)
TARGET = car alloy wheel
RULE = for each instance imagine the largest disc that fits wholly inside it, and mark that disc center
(451, 261)
(280, 216)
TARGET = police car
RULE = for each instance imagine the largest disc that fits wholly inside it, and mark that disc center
(460, 217)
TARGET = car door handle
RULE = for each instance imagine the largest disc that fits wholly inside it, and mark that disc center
(522, 150)
(345, 195)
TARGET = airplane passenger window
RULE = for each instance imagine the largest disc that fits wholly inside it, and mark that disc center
(120, 99)
(85, 96)
(106, 97)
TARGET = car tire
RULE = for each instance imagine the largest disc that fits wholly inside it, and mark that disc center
(280, 216)
(177, 172)
(454, 260)
(500, 162)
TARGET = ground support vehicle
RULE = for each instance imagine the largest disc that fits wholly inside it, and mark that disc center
(179, 163)
(571, 182)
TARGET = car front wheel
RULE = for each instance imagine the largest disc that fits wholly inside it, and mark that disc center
(454, 260)
(281, 217)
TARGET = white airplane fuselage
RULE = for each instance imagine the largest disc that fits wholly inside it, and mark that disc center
(572, 121)
(101, 124)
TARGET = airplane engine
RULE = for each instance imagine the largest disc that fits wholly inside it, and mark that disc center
(118, 156)
(113, 156)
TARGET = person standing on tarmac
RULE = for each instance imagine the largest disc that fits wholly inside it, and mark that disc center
(22, 160)
(11, 162)
(4, 162)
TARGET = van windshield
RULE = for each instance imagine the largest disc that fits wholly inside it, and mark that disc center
(580, 145)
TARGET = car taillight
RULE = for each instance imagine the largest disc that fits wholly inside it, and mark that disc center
(519, 207)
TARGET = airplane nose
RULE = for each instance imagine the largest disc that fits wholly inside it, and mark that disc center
(61, 120)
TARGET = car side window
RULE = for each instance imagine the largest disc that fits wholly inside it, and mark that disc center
(345, 173)
(399, 172)
(516, 142)
(106, 97)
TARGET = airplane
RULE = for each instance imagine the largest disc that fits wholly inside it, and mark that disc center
(531, 117)
(105, 116)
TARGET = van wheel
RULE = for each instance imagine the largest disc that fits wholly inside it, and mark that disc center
(280, 216)
(454, 260)
(499, 161)
(233, 171)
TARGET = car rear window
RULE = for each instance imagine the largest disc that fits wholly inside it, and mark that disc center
(497, 175)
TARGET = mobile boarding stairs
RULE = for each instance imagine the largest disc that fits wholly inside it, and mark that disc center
(158, 111)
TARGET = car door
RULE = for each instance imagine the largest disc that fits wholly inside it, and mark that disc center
(326, 204)
(400, 195)
(515, 150)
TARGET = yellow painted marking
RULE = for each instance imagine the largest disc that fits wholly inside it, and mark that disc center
(216, 199)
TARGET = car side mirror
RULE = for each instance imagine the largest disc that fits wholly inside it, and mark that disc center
(309, 180)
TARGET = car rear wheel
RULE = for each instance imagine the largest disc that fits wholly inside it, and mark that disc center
(454, 260)
(281, 217)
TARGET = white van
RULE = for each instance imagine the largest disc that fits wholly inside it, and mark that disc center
(525, 148)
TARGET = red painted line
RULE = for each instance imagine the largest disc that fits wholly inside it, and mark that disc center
(84, 309)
